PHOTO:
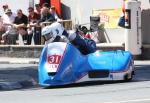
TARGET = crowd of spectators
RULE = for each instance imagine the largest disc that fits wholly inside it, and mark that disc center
(13, 24)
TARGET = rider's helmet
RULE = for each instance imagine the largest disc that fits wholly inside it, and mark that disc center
(51, 32)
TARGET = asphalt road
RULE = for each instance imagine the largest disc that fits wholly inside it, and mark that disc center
(137, 91)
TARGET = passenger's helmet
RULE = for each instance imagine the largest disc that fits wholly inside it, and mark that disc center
(52, 31)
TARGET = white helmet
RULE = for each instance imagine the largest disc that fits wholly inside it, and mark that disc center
(53, 30)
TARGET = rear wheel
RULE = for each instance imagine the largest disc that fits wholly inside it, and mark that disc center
(128, 77)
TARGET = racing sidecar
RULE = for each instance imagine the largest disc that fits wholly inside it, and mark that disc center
(62, 63)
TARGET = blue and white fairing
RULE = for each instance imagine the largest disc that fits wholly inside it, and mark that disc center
(62, 63)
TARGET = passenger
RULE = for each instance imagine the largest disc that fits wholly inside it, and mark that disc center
(83, 31)
(55, 32)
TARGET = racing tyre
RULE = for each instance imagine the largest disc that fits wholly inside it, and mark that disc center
(128, 77)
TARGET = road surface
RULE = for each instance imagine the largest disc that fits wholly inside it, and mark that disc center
(137, 91)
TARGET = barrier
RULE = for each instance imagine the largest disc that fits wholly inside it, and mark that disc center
(66, 23)
(36, 30)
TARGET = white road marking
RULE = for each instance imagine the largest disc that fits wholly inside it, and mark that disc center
(131, 101)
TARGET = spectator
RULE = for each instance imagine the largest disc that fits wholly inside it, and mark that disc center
(10, 34)
(33, 16)
(33, 19)
(8, 18)
(20, 23)
(45, 15)
(124, 15)
(45, 5)
(38, 9)
(5, 7)
(54, 12)
(123, 10)
(2, 29)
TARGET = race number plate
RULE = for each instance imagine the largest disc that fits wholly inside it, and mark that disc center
(55, 52)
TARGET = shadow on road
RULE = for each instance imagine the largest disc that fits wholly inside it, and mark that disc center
(25, 76)
(30, 71)
(84, 84)
(142, 73)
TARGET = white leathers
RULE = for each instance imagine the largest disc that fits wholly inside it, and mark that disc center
(50, 32)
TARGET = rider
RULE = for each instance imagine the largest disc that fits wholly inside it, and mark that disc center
(56, 33)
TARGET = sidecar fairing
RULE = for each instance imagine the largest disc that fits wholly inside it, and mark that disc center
(62, 63)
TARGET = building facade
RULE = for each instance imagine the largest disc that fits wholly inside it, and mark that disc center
(81, 10)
